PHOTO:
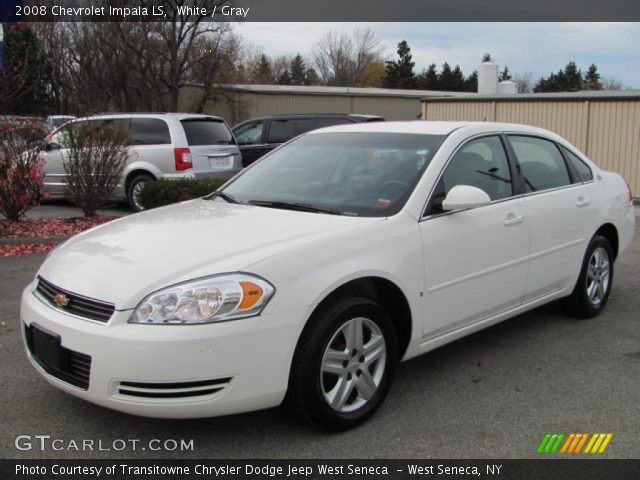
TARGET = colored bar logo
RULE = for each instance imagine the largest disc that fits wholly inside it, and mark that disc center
(573, 443)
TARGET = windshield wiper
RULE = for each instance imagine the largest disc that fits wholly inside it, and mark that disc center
(222, 195)
(301, 207)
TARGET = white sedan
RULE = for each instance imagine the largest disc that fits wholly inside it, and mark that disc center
(310, 275)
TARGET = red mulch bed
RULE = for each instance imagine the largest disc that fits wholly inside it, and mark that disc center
(43, 227)
(50, 227)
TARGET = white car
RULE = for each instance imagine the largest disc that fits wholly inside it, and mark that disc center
(310, 275)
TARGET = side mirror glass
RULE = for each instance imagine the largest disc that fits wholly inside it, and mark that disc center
(462, 197)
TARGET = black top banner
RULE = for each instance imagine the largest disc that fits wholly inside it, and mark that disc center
(319, 11)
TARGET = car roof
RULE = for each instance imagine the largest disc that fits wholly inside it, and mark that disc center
(323, 114)
(430, 127)
(178, 116)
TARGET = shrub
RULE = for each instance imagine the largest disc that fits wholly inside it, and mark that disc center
(20, 167)
(165, 192)
(94, 162)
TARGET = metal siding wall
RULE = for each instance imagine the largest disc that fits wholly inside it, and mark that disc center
(607, 131)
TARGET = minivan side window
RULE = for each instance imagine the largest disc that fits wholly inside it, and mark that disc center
(541, 163)
(283, 130)
(149, 131)
(582, 169)
(250, 133)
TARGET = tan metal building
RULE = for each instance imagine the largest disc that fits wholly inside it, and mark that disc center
(605, 125)
(241, 102)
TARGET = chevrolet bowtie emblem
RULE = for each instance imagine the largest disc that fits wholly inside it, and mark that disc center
(61, 300)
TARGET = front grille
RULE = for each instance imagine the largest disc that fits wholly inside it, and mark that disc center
(73, 367)
(173, 390)
(77, 304)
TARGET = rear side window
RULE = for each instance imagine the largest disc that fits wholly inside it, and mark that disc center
(148, 131)
(541, 163)
(207, 131)
(582, 169)
(283, 130)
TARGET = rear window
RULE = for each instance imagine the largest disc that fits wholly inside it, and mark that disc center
(148, 131)
(204, 131)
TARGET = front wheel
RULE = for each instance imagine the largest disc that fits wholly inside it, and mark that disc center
(592, 290)
(343, 365)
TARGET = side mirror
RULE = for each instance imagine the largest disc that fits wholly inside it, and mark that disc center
(52, 146)
(465, 196)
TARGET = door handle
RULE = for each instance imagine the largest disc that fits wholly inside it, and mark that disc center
(583, 202)
(513, 219)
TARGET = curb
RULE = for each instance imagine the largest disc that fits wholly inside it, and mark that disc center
(28, 240)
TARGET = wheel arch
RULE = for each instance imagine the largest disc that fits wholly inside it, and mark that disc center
(385, 292)
(610, 232)
(134, 173)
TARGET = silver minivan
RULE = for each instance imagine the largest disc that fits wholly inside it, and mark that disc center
(161, 146)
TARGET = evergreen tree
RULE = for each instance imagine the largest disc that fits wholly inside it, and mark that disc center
(298, 70)
(285, 78)
(311, 77)
(471, 83)
(428, 79)
(263, 74)
(399, 73)
(572, 77)
(446, 79)
(457, 78)
(504, 75)
(592, 78)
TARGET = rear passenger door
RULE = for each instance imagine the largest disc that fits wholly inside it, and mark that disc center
(150, 142)
(557, 208)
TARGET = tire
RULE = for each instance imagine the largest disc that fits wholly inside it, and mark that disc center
(332, 383)
(592, 289)
(136, 185)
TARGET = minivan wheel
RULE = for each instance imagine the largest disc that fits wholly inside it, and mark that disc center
(592, 289)
(134, 191)
(343, 365)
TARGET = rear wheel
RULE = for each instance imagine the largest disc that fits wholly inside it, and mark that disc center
(134, 191)
(343, 365)
(592, 290)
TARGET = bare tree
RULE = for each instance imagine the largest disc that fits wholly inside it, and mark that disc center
(612, 83)
(94, 162)
(342, 58)
(524, 82)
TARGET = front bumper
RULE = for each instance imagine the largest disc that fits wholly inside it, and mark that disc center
(157, 366)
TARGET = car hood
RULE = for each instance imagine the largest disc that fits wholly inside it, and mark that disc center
(123, 261)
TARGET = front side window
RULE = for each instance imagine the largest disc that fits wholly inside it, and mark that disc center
(358, 174)
(481, 163)
(541, 163)
(582, 169)
(249, 133)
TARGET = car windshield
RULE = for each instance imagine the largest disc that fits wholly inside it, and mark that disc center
(361, 174)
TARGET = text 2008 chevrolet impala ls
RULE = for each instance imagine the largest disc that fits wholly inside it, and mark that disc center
(310, 275)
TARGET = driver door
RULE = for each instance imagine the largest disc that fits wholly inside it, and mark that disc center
(475, 259)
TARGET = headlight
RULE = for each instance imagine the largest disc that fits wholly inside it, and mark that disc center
(206, 300)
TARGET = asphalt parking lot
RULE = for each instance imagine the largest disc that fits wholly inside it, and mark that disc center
(494, 394)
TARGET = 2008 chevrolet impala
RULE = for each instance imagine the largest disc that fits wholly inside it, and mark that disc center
(310, 275)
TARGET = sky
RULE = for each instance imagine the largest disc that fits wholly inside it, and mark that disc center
(538, 48)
